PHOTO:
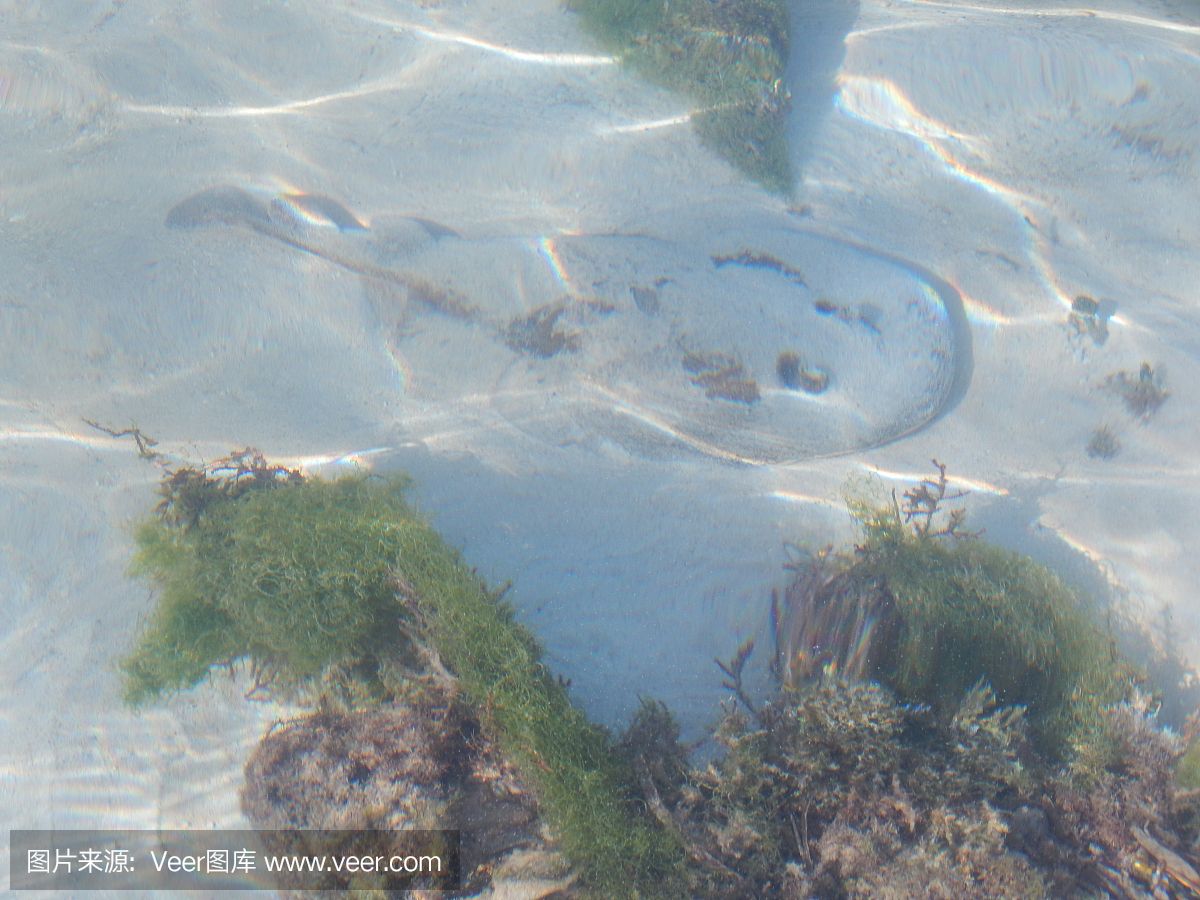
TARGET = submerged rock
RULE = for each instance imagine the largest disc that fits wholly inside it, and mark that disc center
(407, 766)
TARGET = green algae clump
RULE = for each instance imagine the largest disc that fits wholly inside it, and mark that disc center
(730, 57)
(304, 577)
(1187, 771)
(296, 580)
(929, 609)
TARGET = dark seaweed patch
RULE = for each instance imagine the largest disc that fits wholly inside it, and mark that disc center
(794, 375)
(866, 315)
(751, 260)
(1089, 318)
(1143, 393)
(537, 334)
(722, 377)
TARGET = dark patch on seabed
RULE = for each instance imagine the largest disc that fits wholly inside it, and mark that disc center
(751, 260)
(722, 377)
(538, 334)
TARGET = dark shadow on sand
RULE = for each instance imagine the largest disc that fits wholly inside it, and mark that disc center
(818, 35)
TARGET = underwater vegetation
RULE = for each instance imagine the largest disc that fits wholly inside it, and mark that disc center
(1142, 392)
(538, 335)
(945, 723)
(423, 764)
(1089, 318)
(929, 609)
(340, 587)
(728, 55)
(836, 789)
(1103, 443)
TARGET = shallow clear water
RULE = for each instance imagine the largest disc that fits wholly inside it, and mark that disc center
(456, 239)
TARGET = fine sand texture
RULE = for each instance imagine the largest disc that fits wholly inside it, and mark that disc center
(457, 239)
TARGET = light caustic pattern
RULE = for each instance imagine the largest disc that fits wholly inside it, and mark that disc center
(744, 338)
(1033, 108)
(760, 344)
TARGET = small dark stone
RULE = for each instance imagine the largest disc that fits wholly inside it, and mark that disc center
(788, 369)
(793, 374)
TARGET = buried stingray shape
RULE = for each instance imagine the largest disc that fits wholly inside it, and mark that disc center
(717, 341)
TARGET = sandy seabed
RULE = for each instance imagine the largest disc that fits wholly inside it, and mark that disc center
(965, 172)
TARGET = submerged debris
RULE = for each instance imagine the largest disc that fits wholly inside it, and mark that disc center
(538, 334)
(795, 375)
(722, 377)
(1103, 443)
(1089, 318)
(1143, 393)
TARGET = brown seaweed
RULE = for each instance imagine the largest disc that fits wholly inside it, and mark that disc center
(795, 375)
(1143, 393)
(722, 377)
(752, 260)
(537, 334)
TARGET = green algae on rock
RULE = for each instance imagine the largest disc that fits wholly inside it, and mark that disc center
(341, 581)
(929, 610)
(728, 56)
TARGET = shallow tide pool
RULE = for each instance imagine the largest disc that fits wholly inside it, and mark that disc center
(461, 240)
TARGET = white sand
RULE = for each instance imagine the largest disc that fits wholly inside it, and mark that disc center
(1013, 157)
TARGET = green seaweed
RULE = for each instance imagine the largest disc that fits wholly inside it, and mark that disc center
(973, 610)
(728, 56)
(930, 610)
(296, 580)
(314, 576)
(1187, 771)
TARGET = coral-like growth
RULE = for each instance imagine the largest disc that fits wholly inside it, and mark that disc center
(1119, 809)
(838, 790)
(929, 609)
(960, 854)
(729, 56)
